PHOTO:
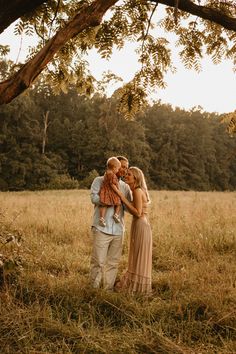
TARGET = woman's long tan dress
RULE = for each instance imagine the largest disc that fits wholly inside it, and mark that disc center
(137, 278)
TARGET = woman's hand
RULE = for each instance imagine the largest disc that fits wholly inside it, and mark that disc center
(121, 195)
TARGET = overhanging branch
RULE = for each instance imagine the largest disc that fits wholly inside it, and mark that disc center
(11, 10)
(204, 12)
(89, 16)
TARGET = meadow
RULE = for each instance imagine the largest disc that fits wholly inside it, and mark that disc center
(48, 306)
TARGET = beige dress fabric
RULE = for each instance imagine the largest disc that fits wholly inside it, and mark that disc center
(137, 278)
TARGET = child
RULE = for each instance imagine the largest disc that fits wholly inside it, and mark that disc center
(108, 196)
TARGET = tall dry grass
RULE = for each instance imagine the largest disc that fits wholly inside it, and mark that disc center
(50, 307)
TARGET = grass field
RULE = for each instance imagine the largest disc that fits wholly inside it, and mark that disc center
(47, 305)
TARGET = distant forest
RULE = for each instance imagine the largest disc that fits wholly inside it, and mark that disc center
(63, 141)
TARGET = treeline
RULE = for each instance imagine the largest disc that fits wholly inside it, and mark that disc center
(63, 141)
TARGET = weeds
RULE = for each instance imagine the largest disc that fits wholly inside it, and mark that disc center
(47, 305)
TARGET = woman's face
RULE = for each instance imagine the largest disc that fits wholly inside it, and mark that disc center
(129, 178)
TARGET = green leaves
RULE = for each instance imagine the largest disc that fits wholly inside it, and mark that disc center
(131, 21)
(4, 50)
(192, 41)
(131, 99)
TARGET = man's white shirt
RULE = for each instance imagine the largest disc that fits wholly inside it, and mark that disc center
(111, 228)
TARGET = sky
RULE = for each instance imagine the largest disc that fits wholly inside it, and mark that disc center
(214, 88)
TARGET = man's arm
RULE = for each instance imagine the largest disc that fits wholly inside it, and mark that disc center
(94, 190)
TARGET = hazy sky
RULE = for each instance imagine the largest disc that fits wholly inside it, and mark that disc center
(214, 88)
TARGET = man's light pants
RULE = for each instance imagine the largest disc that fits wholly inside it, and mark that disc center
(106, 253)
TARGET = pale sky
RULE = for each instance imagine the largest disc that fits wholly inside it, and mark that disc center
(214, 88)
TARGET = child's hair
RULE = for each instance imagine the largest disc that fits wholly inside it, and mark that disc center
(140, 180)
(112, 162)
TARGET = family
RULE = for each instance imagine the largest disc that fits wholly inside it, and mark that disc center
(112, 196)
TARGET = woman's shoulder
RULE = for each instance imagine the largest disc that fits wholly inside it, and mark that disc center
(138, 191)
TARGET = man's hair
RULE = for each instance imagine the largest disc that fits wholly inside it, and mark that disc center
(122, 158)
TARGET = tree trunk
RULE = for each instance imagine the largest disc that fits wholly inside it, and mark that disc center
(45, 128)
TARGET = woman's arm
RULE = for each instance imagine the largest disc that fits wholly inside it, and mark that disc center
(136, 207)
(115, 189)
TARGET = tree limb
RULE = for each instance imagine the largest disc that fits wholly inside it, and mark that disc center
(204, 12)
(11, 10)
(89, 16)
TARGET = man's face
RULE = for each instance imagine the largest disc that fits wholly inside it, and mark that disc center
(123, 168)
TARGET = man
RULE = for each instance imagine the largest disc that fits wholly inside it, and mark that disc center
(108, 240)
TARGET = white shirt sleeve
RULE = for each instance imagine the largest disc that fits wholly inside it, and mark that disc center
(94, 190)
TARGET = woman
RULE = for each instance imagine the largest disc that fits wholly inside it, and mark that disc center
(137, 278)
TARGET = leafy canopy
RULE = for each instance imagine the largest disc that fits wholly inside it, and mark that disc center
(201, 27)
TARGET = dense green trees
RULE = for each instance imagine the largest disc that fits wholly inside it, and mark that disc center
(175, 148)
(190, 150)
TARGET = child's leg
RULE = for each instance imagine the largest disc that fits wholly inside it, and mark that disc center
(102, 213)
(116, 215)
(117, 209)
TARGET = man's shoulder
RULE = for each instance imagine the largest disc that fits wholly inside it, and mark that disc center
(98, 178)
(124, 185)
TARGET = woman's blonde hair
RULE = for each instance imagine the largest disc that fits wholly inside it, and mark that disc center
(140, 181)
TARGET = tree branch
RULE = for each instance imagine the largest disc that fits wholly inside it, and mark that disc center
(89, 16)
(204, 12)
(11, 10)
